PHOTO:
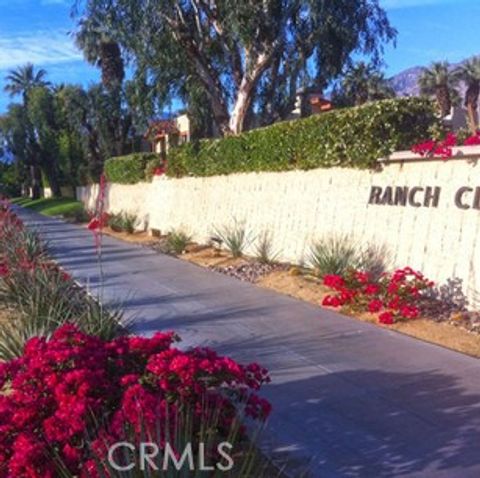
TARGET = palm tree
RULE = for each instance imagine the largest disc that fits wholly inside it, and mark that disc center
(22, 80)
(362, 83)
(469, 72)
(101, 50)
(438, 80)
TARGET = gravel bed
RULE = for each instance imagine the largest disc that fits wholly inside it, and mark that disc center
(249, 272)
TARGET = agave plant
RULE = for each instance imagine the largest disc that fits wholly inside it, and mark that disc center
(264, 249)
(177, 241)
(334, 255)
(235, 237)
(44, 298)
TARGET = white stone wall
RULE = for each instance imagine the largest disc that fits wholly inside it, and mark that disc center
(298, 207)
(134, 199)
(67, 192)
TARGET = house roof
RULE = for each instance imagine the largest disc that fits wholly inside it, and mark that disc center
(322, 103)
(161, 128)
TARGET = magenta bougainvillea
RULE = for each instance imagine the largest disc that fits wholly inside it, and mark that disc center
(74, 385)
(15, 256)
(392, 298)
(443, 148)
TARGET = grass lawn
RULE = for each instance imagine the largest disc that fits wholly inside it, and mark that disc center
(51, 206)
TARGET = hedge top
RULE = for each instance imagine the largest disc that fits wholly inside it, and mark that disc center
(131, 169)
(352, 137)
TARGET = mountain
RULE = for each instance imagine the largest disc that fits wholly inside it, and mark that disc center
(406, 82)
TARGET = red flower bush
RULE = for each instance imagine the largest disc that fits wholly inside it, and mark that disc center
(75, 384)
(437, 148)
(393, 297)
(473, 140)
(443, 148)
(160, 170)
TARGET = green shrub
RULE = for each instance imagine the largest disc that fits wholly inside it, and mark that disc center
(235, 238)
(177, 241)
(44, 299)
(351, 137)
(123, 222)
(115, 222)
(129, 169)
(334, 255)
(264, 250)
(129, 223)
(153, 164)
(77, 215)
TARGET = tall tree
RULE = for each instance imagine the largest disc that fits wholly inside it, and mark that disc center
(469, 72)
(231, 47)
(362, 83)
(43, 116)
(102, 50)
(440, 81)
(81, 115)
(14, 142)
(21, 82)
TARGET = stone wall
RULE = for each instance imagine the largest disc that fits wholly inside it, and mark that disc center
(423, 212)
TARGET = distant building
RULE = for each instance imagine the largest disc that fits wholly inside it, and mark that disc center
(164, 134)
(310, 101)
(457, 119)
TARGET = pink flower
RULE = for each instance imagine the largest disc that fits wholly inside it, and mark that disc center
(333, 281)
(62, 385)
(332, 301)
(372, 289)
(473, 140)
(424, 149)
(409, 312)
(375, 306)
(386, 318)
(94, 224)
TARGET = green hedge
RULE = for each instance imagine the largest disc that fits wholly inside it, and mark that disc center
(352, 137)
(130, 169)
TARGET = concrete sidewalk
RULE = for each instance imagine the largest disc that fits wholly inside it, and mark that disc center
(350, 399)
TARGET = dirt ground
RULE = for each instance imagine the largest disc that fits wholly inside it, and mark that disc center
(136, 237)
(210, 257)
(304, 287)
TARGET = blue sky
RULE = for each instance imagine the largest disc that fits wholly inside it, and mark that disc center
(37, 31)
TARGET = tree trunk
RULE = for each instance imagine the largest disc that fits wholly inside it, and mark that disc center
(240, 109)
(211, 82)
(52, 178)
(245, 93)
(95, 161)
(444, 100)
(471, 103)
(36, 176)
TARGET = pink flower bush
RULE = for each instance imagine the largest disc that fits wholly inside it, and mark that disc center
(74, 384)
(443, 148)
(16, 259)
(393, 297)
(160, 171)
